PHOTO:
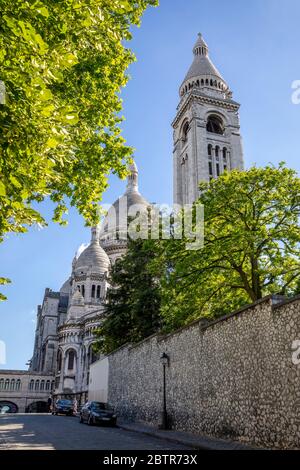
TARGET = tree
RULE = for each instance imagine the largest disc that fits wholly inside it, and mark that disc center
(62, 66)
(133, 301)
(251, 246)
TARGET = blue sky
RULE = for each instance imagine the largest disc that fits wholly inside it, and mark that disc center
(255, 45)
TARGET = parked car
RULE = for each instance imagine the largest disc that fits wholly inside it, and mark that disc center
(96, 412)
(63, 407)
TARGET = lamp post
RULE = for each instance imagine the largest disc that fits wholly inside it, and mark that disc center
(164, 359)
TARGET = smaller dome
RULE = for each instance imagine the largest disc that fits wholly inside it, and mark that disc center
(93, 257)
(66, 287)
(116, 220)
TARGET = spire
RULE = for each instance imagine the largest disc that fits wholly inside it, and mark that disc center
(132, 179)
(200, 48)
(95, 231)
(202, 73)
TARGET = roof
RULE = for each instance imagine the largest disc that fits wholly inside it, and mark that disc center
(93, 256)
(132, 197)
(202, 64)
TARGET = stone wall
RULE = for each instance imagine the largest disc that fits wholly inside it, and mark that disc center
(235, 378)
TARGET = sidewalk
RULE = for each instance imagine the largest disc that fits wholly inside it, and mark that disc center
(194, 441)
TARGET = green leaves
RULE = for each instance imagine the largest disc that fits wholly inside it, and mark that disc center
(2, 189)
(63, 64)
(3, 281)
(251, 247)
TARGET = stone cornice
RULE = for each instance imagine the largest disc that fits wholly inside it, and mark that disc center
(198, 97)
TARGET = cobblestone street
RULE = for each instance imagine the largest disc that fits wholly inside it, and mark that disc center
(46, 432)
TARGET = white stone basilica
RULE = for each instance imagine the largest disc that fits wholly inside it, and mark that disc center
(207, 142)
(67, 319)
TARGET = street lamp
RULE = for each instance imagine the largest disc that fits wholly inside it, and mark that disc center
(164, 359)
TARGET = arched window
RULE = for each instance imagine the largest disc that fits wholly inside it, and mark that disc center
(98, 292)
(215, 125)
(37, 385)
(92, 355)
(93, 291)
(18, 384)
(185, 131)
(71, 359)
(82, 290)
(31, 384)
(43, 357)
(217, 152)
(1, 384)
(209, 150)
(224, 154)
(59, 360)
(12, 384)
(6, 385)
(42, 387)
(48, 385)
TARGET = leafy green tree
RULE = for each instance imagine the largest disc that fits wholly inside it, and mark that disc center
(62, 64)
(251, 247)
(133, 301)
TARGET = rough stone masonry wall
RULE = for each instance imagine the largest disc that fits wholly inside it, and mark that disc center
(233, 379)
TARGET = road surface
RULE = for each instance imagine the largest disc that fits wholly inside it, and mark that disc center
(47, 432)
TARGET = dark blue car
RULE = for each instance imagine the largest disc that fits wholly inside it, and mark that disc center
(63, 407)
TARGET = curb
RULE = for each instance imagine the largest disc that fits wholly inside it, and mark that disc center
(220, 445)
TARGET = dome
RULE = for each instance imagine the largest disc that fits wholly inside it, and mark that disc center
(66, 287)
(202, 65)
(93, 257)
(114, 220)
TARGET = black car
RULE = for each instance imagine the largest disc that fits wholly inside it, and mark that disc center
(63, 407)
(96, 412)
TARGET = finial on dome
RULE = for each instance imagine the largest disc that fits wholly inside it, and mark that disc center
(132, 179)
(95, 234)
(200, 48)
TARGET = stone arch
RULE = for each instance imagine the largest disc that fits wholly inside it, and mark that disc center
(220, 115)
(215, 124)
(48, 385)
(37, 407)
(59, 361)
(71, 359)
(92, 356)
(8, 407)
(184, 130)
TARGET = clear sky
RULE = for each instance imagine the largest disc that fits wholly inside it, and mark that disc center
(254, 44)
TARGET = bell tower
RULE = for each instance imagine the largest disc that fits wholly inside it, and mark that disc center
(207, 139)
